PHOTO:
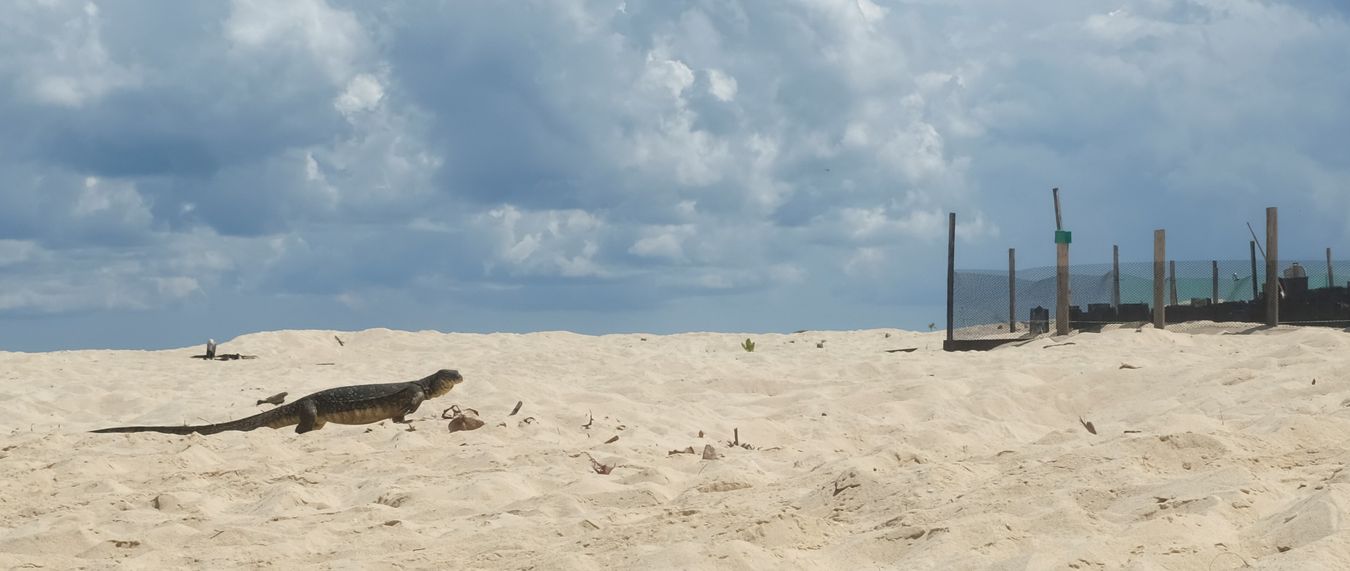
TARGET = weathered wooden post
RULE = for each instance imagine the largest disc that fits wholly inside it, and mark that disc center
(1159, 255)
(1172, 266)
(1256, 294)
(1331, 277)
(1115, 277)
(1062, 239)
(951, 272)
(1012, 289)
(1272, 266)
(1214, 267)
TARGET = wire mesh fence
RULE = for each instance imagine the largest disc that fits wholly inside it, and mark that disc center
(1196, 294)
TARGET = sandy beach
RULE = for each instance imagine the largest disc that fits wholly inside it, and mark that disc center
(1211, 451)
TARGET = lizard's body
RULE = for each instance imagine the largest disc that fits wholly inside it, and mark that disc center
(356, 404)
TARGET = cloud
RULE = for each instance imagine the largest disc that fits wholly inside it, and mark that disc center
(57, 54)
(627, 157)
(331, 38)
(551, 242)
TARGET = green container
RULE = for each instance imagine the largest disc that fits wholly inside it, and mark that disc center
(1063, 237)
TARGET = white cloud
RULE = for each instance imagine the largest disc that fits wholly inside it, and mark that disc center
(333, 38)
(721, 85)
(544, 243)
(64, 61)
(664, 242)
(117, 202)
(363, 93)
(668, 75)
(870, 11)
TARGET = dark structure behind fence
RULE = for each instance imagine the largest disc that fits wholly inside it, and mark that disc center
(1118, 293)
(981, 299)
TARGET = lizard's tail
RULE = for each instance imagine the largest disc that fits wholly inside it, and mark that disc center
(275, 418)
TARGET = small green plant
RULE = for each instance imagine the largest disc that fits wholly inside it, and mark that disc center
(749, 346)
(932, 326)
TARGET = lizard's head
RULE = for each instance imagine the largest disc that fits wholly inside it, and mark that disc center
(444, 380)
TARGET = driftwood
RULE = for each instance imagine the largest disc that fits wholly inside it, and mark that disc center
(466, 419)
(905, 350)
(274, 399)
(225, 357)
(519, 404)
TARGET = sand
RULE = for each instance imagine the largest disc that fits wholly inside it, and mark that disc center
(1216, 452)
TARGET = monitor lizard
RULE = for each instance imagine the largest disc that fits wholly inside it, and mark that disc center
(356, 404)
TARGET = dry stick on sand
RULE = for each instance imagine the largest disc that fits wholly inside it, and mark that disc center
(603, 469)
(590, 419)
(519, 404)
(736, 440)
(840, 489)
(339, 340)
(1087, 425)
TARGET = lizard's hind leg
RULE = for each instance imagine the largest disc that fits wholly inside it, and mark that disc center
(309, 418)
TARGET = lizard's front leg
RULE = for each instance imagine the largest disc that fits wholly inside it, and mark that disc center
(413, 402)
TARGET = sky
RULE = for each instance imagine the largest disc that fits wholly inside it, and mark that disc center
(173, 171)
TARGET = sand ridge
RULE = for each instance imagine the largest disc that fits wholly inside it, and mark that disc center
(1217, 450)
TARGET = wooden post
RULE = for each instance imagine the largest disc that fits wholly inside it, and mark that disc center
(1272, 266)
(1062, 289)
(1012, 289)
(1331, 277)
(1256, 294)
(1159, 255)
(1214, 266)
(951, 272)
(1115, 277)
(1062, 274)
(1172, 266)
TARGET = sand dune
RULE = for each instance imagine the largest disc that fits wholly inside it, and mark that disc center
(1218, 451)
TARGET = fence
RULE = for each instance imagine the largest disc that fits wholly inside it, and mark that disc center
(1196, 293)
